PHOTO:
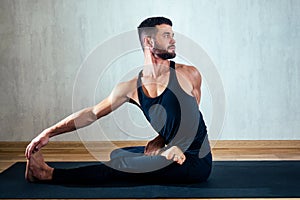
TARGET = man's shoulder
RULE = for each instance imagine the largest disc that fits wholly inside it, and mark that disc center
(189, 70)
(129, 84)
(125, 88)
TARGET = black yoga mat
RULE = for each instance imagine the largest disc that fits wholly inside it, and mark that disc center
(228, 179)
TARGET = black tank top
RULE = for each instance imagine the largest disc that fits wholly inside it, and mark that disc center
(175, 115)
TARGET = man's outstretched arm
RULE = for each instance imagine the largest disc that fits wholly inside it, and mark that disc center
(80, 119)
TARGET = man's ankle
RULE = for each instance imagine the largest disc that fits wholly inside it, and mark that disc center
(49, 174)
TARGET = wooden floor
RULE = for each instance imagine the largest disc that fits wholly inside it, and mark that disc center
(11, 152)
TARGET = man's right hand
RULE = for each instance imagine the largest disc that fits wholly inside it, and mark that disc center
(36, 144)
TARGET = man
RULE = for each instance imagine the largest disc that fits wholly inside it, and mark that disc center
(168, 94)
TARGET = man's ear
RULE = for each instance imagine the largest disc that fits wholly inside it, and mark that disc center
(148, 43)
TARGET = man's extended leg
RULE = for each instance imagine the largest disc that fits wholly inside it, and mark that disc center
(37, 169)
(121, 168)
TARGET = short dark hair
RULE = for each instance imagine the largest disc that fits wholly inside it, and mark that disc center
(148, 25)
(153, 21)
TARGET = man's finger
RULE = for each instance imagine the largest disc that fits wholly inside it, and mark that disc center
(28, 151)
(32, 148)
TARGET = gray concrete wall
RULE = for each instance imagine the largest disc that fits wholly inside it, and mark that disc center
(254, 45)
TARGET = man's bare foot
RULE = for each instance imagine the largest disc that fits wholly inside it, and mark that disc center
(174, 153)
(37, 169)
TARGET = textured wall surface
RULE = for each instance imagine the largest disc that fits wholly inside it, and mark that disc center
(254, 45)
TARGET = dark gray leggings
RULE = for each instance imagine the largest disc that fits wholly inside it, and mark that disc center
(130, 164)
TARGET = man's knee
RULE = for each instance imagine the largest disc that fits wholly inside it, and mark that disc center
(127, 152)
(115, 154)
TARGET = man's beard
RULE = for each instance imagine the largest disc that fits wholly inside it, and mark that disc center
(166, 55)
(163, 54)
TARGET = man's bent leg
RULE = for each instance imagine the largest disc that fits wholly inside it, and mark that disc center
(127, 152)
(127, 163)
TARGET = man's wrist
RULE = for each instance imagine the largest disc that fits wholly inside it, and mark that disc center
(48, 132)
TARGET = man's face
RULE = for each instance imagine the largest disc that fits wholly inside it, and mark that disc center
(164, 43)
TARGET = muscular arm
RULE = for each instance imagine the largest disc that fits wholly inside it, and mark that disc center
(190, 80)
(89, 115)
(196, 83)
(81, 118)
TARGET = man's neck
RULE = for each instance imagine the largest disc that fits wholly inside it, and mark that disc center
(154, 66)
